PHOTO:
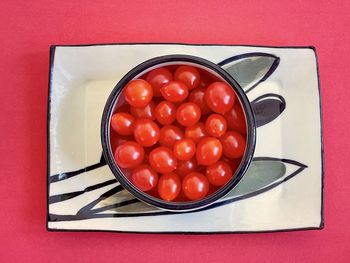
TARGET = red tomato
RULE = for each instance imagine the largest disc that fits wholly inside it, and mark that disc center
(209, 151)
(233, 144)
(174, 91)
(220, 97)
(146, 132)
(165, 112)
(235, 119)
(184, 149)
(196, 132)
(169, 134)
(219, 173)
(144, 178)
(185, 167)
(144, 112)
(188, 114)
(195, 186)
(197, 97)
(188, 75)
(123, 123)
(162, 160)
(158, 78)
(216, 125)
(138, 93)
(129, 155)
(169, 186)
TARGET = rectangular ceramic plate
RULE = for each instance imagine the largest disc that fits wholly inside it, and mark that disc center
(282, 190)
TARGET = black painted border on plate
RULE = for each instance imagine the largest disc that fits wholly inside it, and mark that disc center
(322, 138)
(48, 116)
(51, 66)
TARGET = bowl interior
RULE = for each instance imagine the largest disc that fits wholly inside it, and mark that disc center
(116, 100)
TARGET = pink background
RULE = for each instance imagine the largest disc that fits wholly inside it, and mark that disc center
(27, 29)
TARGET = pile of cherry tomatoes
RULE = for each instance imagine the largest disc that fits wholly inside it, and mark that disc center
(178, 133)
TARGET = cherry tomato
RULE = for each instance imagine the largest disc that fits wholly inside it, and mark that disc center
(138, 93)
(219, 173)
(196, 132)
(169, 186)
(158, 78)
(165, 112)
(184, 149)
(169, 134)
(129, 155)
(233, 144)
(144, 112)
(188, 75)
(235, 119)
(185, 167)
(162, 160)
(195, 186)
(209, 151)
(146, 132)
(144, 178)
(216, 125)
(174, 91)
(123, 123)
(197, 97)
(188, 114)
(220, 97)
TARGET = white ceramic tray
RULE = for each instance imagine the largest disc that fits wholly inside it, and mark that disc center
(282, 190)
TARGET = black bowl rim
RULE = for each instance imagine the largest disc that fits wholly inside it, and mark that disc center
(189, 205)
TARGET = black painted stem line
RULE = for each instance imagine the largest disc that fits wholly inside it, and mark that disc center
(87, 208)
(109, 207)
(62, 197)
(67, 175)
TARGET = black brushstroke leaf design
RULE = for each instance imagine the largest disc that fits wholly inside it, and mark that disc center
(267, 108)
(66, 196)
(89, 208)
(263, 174)
(250, 69)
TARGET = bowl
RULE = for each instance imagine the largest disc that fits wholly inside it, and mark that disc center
(141, 70)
